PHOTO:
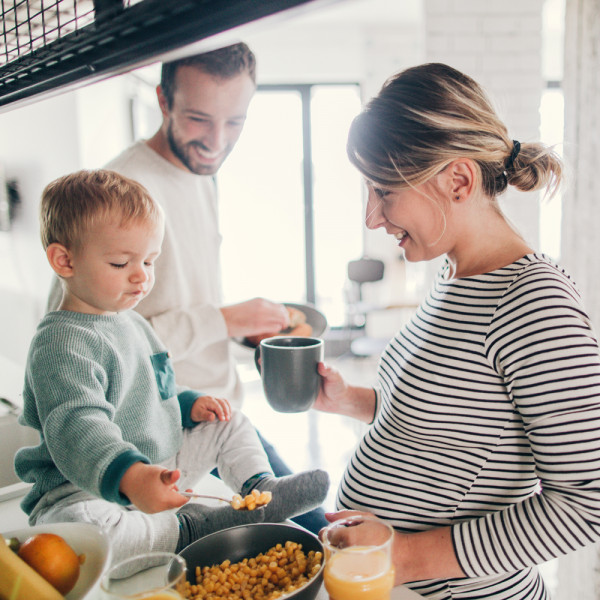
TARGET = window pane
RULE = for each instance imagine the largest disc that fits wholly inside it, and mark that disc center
(338, 211)
(262, 200)
(262, 204)
(551, 132)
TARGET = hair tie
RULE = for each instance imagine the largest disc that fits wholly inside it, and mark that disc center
(511, 159)
(515, 152)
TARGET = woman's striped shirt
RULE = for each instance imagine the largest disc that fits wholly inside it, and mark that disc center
(489, 421)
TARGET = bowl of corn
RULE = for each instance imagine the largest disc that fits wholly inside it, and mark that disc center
(262, 560)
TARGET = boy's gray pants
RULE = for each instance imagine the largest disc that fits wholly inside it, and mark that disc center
(232, 446)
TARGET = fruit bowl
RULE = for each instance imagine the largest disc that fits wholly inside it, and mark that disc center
(84, 539)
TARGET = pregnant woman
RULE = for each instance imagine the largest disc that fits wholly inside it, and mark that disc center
(483, 451)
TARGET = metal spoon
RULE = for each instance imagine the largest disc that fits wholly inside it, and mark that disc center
(194, 495)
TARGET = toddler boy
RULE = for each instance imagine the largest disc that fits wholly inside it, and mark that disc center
(117, 436)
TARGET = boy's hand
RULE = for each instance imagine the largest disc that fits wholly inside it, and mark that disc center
(151, 488)
(208, 408)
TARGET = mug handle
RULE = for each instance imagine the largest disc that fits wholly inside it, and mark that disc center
(257, 358)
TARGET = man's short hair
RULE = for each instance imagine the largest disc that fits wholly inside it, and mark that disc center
(224, 63)
(73, 203)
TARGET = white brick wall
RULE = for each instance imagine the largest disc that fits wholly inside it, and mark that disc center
(579, 573)
(389, 49)
(499, 45)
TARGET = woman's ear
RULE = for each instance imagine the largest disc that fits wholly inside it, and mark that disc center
(60, 259)
(462, 175)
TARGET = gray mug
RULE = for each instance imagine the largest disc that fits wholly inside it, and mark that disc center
(288, 367)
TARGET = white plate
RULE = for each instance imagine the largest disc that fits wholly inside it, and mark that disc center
(84, 539)
(315, 318)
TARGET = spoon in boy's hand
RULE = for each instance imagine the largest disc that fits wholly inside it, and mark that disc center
(253, 500)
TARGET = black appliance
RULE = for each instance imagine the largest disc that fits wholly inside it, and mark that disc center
(47, 45)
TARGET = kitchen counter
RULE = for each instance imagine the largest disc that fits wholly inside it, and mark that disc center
(12, 517)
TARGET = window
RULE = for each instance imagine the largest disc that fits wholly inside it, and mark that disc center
(551, 132)
(552, 116)
(291, 204)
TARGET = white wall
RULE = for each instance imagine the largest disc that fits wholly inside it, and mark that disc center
(582, 149)
(103, 124)
(37, 144)
(579, 573)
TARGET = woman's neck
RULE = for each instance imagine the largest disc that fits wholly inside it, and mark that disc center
(485, 247)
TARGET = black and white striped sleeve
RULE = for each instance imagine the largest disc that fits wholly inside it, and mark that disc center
(541, 342)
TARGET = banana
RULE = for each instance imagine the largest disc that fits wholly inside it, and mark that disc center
(19, 581)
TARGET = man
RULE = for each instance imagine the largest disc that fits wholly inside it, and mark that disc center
(204, 100)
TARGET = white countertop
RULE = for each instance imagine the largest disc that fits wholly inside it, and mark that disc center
(398, 593)
(11, 515)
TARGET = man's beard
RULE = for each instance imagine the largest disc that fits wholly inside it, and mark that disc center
(184, 153)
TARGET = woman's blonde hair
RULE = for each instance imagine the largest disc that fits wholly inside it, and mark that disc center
(72, 204)
(427, 116)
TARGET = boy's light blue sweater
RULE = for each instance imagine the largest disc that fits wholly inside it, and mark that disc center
(101, 392)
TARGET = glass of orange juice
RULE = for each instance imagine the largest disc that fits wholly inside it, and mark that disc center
(358, 561)
(150, 576)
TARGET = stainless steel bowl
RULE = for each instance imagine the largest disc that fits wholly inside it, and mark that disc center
(248, 541)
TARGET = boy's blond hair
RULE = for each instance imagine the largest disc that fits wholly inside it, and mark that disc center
(72, 204)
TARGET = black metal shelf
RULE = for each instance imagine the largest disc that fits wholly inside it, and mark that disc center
(50, 44)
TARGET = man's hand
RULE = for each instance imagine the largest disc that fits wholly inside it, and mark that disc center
(208, 408)
(151, 488)
(254, 317)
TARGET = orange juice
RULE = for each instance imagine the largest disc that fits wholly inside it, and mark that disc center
(355, 574)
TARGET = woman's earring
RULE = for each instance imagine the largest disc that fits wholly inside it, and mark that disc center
(458, 197)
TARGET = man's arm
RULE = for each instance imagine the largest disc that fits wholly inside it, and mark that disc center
(189, 329)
